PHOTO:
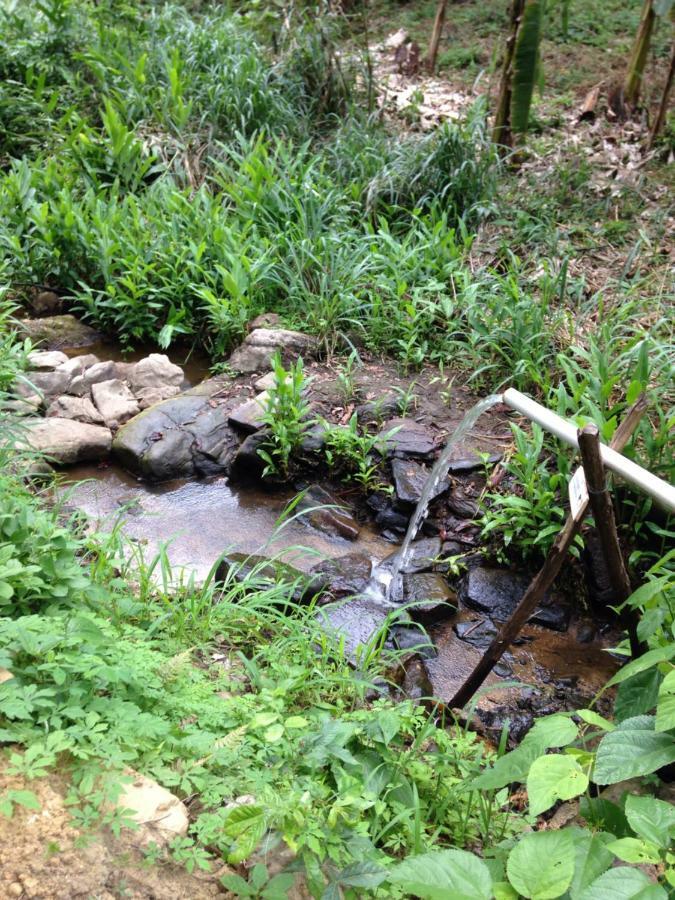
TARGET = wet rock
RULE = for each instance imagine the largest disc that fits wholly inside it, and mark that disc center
(260, 572)
(115, 402)
(345, 576)
(335, 520)
(250, 416)
(432, 598)
(462, 506)
(314, 440)
(415, 639)
(59, 332)
(46, 360)
(356, 622)
(465, 466)
(186, 435)
(77, 365)
(422, 555)
(79, 408)
(416, 683)
(154, 379)
(385, 407)
(66, 441)
(265, 320)
(405, 438)
(479, 634)
(390, 519)
(410, 479)
(247, 462)
(46, 303)
(498, 592)
(161, 816)
(428, 596)
(586, 633)
(255, 353)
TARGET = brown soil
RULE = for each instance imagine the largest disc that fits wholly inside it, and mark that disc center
(43, 857)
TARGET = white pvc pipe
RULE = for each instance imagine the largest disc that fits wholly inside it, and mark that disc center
(661, 491)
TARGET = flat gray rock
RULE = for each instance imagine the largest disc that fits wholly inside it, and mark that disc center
(256, 352)
(46, 360)
(79, 408)
(60, 332)
(404, 438)
(497, 592)
(94, 374)
(66, 441)
(410, 479)
(154, 379)
(250, 416)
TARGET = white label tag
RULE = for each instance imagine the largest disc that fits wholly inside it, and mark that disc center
(578, 493)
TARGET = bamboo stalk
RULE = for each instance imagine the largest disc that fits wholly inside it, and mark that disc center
(638, 57)
(543, 579)
(501, 129)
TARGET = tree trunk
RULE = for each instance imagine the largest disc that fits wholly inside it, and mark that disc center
(638, 57)
(501, 129)
(663, 105)
(439, 21)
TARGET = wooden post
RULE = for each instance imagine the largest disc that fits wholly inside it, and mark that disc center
(605, 524)
(439, 21)
(543, 579)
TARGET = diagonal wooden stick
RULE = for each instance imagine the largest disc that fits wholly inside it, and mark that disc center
(544, 577)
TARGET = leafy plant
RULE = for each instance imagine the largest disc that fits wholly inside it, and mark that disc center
(287, 415)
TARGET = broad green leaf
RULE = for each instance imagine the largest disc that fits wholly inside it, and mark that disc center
(274, 733)
(665, 707)
(633, 749)
(553, 778)
(604, 814)
(623, 883)
(591, 859)
(637, 696)
(502, 890)
(642, 663)
(246, 825)
(362, 874)
(553, 731)
(541, 865)
(634, 850)
(296, 722)
(651, 819)
(279, 887)
(593, 718)
(443, 875)
(25, 798)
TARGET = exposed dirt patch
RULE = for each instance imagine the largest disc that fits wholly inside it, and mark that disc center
(45, 858)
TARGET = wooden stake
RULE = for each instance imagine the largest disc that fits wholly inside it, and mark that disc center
(543, 579)
(605, 524)
(439, 21)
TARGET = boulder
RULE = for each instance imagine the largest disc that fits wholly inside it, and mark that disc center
(60, 332)
(186, 435)
(256, 352)
(405, 438)
(76, 365)
(115, 402)
(250, 416)
(95, 373)
(324, 512)
(154, 379)
(345, 576)
(356, 622)
(432, 598)
(47, 384)
(497, 592)
(410, 479)
(46, 360)
(67, 441)
(161, 816)
(79, 408)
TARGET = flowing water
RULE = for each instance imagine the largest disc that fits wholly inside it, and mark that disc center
(437, 474)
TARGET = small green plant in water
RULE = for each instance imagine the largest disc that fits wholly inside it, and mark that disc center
(287, 415)
(351, 452)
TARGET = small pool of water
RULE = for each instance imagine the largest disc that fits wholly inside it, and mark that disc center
(200, 519)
